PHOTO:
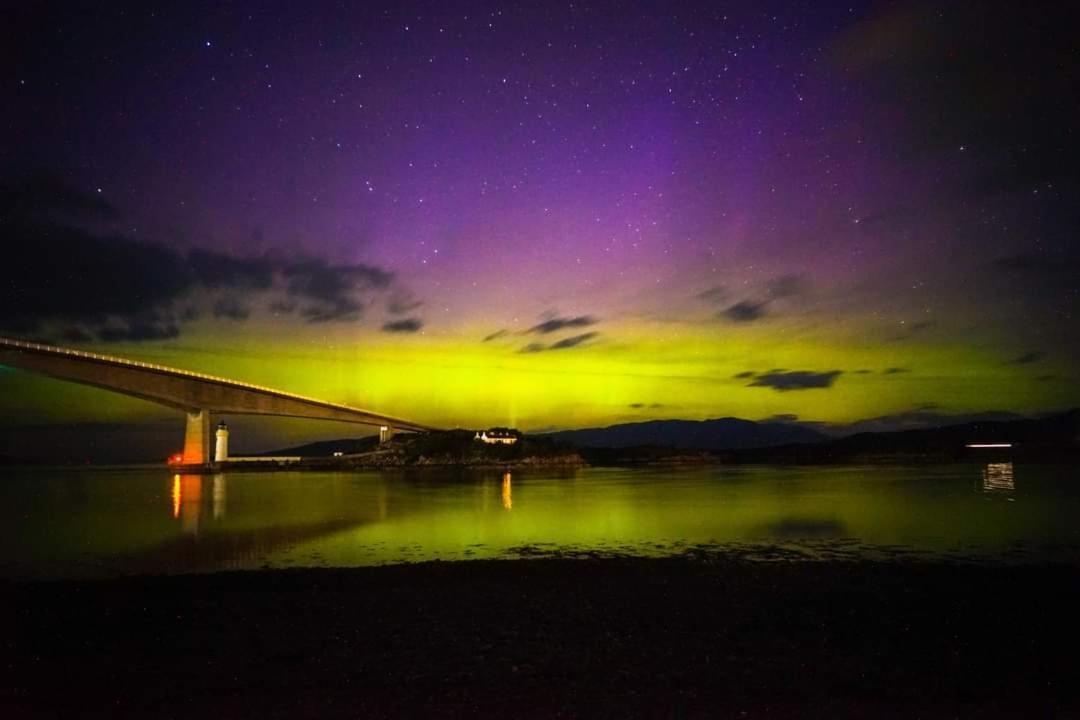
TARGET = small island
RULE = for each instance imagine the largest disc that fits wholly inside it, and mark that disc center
(672, 442)
(492, 447)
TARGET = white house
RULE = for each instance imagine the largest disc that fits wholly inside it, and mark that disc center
(496, 437)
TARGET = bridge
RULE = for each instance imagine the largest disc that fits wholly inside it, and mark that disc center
(196, 394)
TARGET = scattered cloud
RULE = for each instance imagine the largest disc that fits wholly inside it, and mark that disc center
(651, 406)
(783, 381)
(574, 341)
(1027, 358)
(143, 327)
(405, 325)
(745, 374)
(564, 344)
(895, 370)
(782, 418)
(556, 324)
(496, 335)
(745, 312)
(214, 270)
(776, 289)
(333, 292)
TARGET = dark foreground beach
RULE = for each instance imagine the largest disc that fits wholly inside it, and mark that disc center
(700, 637)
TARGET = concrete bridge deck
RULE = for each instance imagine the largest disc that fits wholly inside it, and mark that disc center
(196, 394)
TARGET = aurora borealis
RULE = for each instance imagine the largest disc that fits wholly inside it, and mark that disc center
(548, 215)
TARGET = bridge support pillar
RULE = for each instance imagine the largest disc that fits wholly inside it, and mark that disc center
(386, 432)
(197, 438)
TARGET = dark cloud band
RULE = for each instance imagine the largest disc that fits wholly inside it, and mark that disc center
(556, 324)
(785, 380)
(60, 277)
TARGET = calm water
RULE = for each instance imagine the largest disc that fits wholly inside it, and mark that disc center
(64, 523)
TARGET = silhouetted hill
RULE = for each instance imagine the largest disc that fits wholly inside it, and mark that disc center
(1056, 430)
(919, 420)
(326, 448)
(734, 440)
(448, 447)
(1048, 436)
(719, 434)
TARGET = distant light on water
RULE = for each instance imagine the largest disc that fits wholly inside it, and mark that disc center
(999, 478)
(989, 445)
(176, 496)
(219, 496)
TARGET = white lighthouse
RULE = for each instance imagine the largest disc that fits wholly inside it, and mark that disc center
(221, 451)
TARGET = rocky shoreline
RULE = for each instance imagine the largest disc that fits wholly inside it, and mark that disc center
(625, 637)
(390, 461)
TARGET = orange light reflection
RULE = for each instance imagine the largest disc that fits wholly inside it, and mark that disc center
(176, 496)
(507, 497)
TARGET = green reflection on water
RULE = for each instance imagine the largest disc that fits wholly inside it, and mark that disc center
(104, 522)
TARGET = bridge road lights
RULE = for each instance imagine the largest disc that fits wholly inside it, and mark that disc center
(175, 388)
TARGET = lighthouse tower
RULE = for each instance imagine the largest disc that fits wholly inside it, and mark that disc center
(221, 451)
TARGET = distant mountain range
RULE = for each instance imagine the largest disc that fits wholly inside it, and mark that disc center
(719, 434)
(757, 441)
(742, 440)
(737, 440)
(1028, 435)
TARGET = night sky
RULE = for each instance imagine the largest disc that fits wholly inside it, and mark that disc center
(548, 215)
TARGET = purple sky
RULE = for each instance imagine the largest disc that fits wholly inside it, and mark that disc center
(843, 175)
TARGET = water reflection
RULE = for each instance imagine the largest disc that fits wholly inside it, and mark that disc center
(507, 492)
(997, 478)
(207, 540)
(97, 521)
(796, 528)
(190, 503)
(176, 496)
(187, 500)
(219, 496)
